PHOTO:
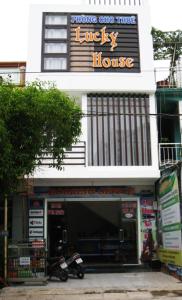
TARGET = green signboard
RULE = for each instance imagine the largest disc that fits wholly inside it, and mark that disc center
(169, 229)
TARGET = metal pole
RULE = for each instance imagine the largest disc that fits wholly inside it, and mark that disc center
(6, 237)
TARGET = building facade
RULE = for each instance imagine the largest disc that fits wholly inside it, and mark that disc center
(102, 201)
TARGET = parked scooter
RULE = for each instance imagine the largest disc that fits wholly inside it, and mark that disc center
(75, 265)
(74, 262)
(58, 269)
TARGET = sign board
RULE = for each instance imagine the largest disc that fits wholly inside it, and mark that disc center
(169, 231)
(36, 222)
(36, 232)
(36, 213)
(24, 261)
(97, 43)
(56, 212)
(36, 203)
(129, 210)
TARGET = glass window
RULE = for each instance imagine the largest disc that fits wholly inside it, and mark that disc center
(55, 63)
(55, 33)
(55, 48)
(56, 20)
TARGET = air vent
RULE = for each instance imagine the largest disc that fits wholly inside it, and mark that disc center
(116, 2)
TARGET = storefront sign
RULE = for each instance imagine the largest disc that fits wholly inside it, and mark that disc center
(103, 19)
(97, 43)
(103, 37)
(56, 212)
(129, 209)
(82, 191)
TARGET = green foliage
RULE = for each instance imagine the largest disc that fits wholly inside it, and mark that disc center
(34, 120)
(166, 42)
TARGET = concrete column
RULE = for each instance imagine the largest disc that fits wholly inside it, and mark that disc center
(19, 218)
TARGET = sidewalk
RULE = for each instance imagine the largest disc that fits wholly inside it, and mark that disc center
(146, 285)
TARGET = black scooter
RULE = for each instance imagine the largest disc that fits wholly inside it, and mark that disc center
(75, 265)
(74, 262)
(58, 268)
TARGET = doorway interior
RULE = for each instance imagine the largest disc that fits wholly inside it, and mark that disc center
(104, 232)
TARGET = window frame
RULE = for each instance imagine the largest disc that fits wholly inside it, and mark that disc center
(61, 40)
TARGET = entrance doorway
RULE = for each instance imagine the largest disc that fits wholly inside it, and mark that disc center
(102, 231)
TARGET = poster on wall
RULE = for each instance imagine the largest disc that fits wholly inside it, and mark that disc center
(169, 220)
(148, 228)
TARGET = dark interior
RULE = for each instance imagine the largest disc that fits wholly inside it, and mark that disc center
(97, 230)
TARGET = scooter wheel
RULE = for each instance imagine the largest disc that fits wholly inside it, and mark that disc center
(63, 276)
(80, 274)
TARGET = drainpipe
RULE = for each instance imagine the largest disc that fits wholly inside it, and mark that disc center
(22, 75)
(5, 237)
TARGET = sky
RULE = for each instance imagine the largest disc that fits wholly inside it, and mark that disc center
(165, 15)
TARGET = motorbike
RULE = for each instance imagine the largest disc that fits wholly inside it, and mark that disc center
(58, 268)
(75, 265)
(74, 262)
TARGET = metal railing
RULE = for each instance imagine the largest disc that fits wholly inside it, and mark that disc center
(169, 77)
(169, 153)
(74, 156)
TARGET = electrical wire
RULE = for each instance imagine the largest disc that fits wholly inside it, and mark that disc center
(47, 73)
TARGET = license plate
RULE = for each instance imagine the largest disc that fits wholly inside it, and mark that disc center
(79, 260)
(63, 265)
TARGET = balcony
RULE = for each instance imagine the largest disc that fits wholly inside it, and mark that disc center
(74, 156)
(169, 77)
(169, 154)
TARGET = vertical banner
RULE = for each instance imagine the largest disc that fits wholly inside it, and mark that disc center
(169, 220)
(148, 228)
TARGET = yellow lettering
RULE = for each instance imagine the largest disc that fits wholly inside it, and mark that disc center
(77, 30)
(115, 63)
(122, 62)
(97, 58)
(113, 36)
(87, 37)
(104, 36)
(129, 62)
(106, 62)
(96, 37)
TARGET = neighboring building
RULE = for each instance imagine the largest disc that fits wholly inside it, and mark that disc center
(13, 71)
(169, 107)
(102, 201)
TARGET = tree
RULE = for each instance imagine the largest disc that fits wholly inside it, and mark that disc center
(34, 120)
(168, 45)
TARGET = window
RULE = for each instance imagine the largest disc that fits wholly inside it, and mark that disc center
(55, 48)
(53, 63)
(55, 33)
(55, 42)
(55, 20)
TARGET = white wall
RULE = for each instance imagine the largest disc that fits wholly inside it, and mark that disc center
(82, 83)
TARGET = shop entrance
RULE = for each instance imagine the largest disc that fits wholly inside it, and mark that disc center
(103, 232)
